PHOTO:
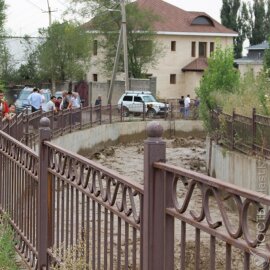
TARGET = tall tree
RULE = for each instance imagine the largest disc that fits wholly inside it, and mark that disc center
(267, 20)
(65, 53)
(143, 49)
(229, 18)
(4, 53)
(243, 29)
(229, 13)
(258, 24)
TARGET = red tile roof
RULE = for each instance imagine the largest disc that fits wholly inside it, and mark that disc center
(174, 19)
(199, 64)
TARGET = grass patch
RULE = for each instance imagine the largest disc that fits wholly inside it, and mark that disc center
(7, 250)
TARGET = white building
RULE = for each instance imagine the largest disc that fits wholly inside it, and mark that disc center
(188, 38)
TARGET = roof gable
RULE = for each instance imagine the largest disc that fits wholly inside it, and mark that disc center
(174, 19)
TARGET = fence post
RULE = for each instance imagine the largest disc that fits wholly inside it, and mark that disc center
(121, 112)
(91, 115)
(143, 111)
(154, 200)
(81, 116)
(43, 192)
(100, 113)
(233, 117)
(110, 113)
(254, 130)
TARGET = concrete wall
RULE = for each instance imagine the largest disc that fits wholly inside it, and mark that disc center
(102, 88)
(110, 134)
(239, 169)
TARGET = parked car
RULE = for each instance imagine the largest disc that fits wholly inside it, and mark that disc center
(22, 102)
(137, 102)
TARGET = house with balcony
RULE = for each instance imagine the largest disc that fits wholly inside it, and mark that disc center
(187, 39)
(253, 61)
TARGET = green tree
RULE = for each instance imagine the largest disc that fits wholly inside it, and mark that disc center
(65, 53)
(266, 60)
(235, 16)
(143, 49)
(267, 19)
(258, 34)
(243, 29)
(220, 76)
(229, 13)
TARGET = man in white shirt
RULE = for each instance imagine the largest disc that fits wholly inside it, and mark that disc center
(187, 106)
(50, 106)
(35, 99)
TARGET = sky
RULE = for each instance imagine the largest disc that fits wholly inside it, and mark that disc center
(27, 16)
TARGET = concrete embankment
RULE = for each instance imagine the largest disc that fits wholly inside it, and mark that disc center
(124, 132)
(249, 172)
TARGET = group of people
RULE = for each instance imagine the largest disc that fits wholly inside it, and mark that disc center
(7, 111)
(185, 105)
(68, 100)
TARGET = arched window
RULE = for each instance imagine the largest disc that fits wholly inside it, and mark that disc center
(202, 20)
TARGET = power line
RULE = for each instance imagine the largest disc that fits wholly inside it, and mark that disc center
(32, 3)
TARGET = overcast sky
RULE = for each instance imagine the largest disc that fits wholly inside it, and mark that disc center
(26, 16)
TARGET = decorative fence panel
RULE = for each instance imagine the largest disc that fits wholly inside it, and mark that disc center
(18, 193)
(90, 207)
(203, 225)
(249, 135)
(58, 200)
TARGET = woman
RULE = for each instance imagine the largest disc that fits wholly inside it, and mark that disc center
(3, 105)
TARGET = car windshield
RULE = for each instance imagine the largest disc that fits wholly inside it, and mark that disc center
(148, 99)
(24, 94)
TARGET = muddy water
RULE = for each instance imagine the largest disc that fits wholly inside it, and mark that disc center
(128, 159)
(189, 153)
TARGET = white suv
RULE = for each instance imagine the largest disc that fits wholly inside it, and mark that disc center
(138, 102)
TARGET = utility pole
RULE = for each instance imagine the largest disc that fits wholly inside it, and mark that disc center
(50, 13)
(122, 40)
(124, 25)
(50, 23)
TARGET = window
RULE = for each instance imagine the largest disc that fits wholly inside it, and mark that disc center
(173, 79)
(173, 46)
(212, 47)
(137, 99)
(202, 20)
(127, 98)
(95, 77)
(95, 47)
(193, 49)
(202, 49)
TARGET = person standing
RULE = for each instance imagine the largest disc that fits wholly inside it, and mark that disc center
(35, 100)
(3, 105)
(50, 106)
(187, 106)
(182, 106)
(98, 107)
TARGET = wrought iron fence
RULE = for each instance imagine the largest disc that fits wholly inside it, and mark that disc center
(249, 135)
(58, 199)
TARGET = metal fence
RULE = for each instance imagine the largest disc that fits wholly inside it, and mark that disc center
(58, 199)
(249, 135)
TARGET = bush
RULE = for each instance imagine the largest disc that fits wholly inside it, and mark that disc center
(7, 250)
(220, 77)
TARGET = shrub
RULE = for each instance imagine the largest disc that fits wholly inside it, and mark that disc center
(7, 250)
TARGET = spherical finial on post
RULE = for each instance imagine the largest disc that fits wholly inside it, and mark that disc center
(45, 122)
(154, 129)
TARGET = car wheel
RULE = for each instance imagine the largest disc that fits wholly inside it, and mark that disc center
(151, 113)
(125, 112)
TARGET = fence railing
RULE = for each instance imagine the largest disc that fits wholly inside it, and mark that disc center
(24, 127)
(249, 135)
(58, 199)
